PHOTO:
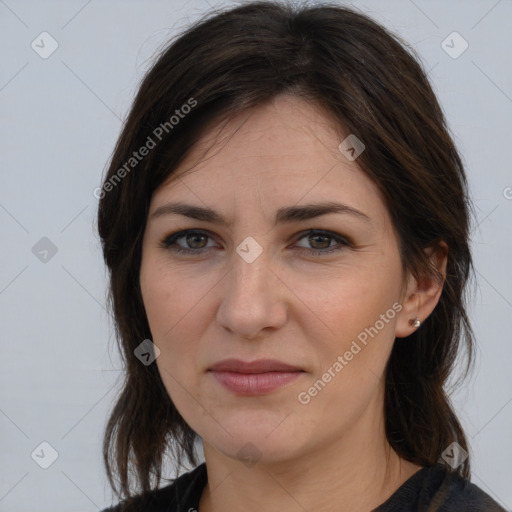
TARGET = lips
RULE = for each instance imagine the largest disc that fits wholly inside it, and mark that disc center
(259, 366)
(254, 378)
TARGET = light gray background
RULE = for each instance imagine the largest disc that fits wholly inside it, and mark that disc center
(60, 119)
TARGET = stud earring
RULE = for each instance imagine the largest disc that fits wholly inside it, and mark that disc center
(415, 323)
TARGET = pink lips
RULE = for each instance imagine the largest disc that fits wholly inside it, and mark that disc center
(255, 377)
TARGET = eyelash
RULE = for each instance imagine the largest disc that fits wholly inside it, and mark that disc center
(170, 242)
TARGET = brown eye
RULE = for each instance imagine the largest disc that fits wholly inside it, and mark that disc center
(193, 240)
(320, 242)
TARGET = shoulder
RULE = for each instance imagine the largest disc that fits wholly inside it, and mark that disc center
(183, 493)
(458, 493)
(435, 488)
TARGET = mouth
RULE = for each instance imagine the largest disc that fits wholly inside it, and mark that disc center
(254, 378)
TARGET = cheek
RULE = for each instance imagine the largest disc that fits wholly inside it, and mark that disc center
(353, 302)
(360, 309)
(172, 298)
(176, 307)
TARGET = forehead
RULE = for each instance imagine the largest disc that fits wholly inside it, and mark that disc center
(282, 132)
(285, 151)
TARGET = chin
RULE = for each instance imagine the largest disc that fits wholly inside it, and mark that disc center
(257, 437)
(259, 451)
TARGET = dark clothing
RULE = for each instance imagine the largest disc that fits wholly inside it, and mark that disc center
(431, 489)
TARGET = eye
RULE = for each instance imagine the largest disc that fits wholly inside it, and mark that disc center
(321, 242)
(195, 241)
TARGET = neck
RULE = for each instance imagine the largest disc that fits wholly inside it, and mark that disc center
(356, 473)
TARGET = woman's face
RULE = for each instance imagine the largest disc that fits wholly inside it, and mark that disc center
(261, 286)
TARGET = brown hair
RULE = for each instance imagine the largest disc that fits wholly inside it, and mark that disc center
(373, 85)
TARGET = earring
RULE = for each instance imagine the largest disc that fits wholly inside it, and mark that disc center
(415, 323)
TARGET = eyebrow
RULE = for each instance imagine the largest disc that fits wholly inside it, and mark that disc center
(284, 215)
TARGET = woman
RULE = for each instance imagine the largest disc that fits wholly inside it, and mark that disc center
(286, 220)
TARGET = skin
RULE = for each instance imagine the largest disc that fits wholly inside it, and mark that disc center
(288, 304)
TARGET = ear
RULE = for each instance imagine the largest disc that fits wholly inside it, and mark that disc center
(422, 295)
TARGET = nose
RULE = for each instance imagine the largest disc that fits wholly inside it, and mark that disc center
(253, 298)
